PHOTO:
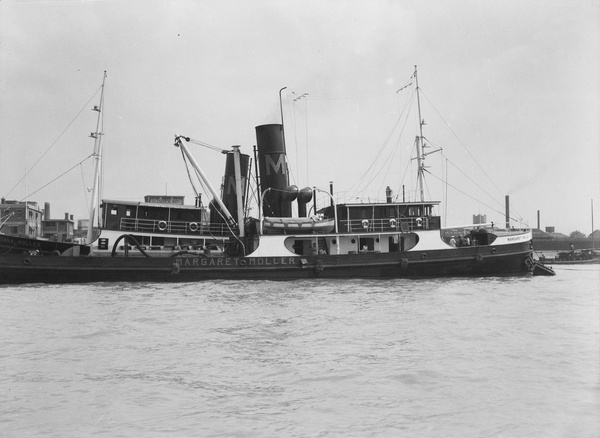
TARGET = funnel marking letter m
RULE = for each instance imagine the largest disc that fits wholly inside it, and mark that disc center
(277, 167)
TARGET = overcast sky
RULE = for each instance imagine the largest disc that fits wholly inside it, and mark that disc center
(510, 92)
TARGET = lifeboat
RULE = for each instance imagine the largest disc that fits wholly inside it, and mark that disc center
(276, 225)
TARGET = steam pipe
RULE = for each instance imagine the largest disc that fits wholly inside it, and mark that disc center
(332, 203)
(282, 125)
(238, 188)
(261, 219)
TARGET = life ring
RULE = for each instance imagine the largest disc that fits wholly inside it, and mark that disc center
(419, 222)
(365, 224)
(162, 225)
(493, 250)
(193, 226)
(27, 261)
(424, 255)
(393, 223)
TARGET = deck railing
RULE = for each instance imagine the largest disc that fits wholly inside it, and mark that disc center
(173, 227)
(389, 224)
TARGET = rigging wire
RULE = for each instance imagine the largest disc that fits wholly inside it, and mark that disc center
(206, 145)
(473, 198)
(445, 192)
(218, 210)
(471, 179)
(307, 150)
(392, 155)
(58, 177)
(370, 172)
(520, 219)
(348, 96)
(461, 143)
(54, 142)
(296, 139)
(406, 170)
(187, 169)
(101, 151)
(84, 186)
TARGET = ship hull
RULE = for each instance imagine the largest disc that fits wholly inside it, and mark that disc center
(514, 259)
(24, 245)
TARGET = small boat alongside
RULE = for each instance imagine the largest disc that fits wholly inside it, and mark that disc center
(541, 269)
(573, 257)
(163, 242)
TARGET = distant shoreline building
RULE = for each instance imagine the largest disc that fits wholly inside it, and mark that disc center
(26, 219)
(21, 219)
(552, 241)
(479, 219)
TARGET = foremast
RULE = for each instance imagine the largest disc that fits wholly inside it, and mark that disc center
(420, 140)
(420, 156)
(97, 136)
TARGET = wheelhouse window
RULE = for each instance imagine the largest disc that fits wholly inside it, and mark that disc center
(414, 211)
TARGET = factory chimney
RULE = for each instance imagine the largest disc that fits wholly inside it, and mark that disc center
(507, 213)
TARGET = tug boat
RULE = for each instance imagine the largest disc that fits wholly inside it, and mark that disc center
(176, 243)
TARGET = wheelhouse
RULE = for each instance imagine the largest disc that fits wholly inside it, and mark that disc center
(385, 217)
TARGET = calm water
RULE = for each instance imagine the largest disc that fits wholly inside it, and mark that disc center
(509, 357)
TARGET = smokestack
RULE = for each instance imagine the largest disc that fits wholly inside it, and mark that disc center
(46, 211)
(229, 196)
(273, 169)
(66, 216)
(507, 204)
(388, 195)
(538, 217)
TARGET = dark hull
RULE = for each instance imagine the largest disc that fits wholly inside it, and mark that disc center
(512, 259)
(24, 245)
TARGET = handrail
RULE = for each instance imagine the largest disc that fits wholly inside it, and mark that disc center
(333, 204)
(173, 227)
(386, 224)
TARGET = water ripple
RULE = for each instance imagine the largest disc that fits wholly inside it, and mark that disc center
(509, 356)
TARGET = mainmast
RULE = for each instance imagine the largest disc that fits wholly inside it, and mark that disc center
(420, 155)
(97, 136)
